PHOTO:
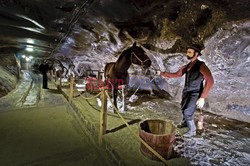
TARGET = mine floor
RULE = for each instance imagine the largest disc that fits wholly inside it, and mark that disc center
(38, 127)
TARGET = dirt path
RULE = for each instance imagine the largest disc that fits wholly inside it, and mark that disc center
(44, 130)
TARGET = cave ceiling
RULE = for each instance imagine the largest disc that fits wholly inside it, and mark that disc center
(46, 25)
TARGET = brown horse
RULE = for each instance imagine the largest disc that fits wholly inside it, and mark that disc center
(116, 73)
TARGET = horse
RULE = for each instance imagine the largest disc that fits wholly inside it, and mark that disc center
(116, 73)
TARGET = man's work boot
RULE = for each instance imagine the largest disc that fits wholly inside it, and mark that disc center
(192, 129)
(182, 124)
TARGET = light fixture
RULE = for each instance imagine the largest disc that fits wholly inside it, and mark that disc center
(30, 41)
(30, 49)
(28, 59)
(23, 56)
(33, 21)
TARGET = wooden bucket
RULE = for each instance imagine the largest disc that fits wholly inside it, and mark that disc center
(158, 134)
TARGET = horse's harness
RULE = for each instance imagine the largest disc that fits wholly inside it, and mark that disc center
(142, 62)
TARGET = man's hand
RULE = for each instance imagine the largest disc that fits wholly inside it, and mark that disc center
(200, 103)
(158, 72)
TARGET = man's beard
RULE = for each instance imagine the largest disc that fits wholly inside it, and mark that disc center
(190, 57)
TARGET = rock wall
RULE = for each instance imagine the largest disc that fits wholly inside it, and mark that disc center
(163, 29)
(228, 54)
(9, 73)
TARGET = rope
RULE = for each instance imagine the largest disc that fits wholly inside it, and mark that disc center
(140, 86)
(91, 97)
(110, 114)
(137, 137)
(78, 94)
(136, 89)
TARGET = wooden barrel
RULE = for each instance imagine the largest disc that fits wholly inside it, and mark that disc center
(160, 135)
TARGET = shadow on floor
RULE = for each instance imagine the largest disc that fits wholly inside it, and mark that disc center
(54, 91)
(123, 126)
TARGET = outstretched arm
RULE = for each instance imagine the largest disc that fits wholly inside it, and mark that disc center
(179, 73)
(209, 81)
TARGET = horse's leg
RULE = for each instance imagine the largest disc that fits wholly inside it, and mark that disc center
(124, 108)
(103, 77)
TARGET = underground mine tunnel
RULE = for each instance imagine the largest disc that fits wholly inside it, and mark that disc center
(124, 82)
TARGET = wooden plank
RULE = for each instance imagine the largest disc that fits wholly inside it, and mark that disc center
(71, 88)
(60, 85)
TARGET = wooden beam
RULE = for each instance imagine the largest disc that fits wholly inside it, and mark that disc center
(103, 117)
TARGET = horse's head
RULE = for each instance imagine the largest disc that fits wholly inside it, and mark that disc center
(139, 57)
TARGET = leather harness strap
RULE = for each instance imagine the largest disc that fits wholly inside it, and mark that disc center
(142, 62)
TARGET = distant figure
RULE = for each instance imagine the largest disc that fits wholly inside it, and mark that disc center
(44, 68)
